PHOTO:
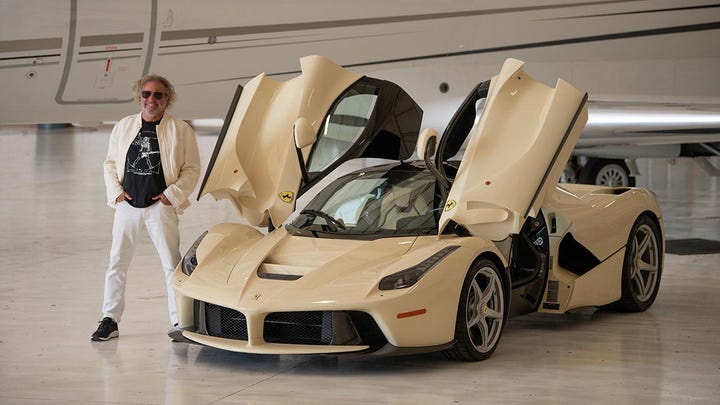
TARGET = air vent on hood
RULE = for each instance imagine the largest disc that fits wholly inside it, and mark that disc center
(282, 272)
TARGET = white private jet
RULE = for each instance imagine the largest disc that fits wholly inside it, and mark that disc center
(650, 66)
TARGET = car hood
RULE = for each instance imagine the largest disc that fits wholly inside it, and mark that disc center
(515, 154)
(255, 164)
(279, 263)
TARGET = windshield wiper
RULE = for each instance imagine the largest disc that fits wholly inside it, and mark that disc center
(332, 223)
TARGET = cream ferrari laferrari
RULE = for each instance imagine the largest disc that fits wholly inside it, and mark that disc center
(432, 253)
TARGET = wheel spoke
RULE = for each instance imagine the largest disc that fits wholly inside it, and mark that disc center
(488, 294)
(640, 285)
(483, 329)
(651, 277)
(476, 319)
(474, 306)
(647, 268)
(642, 246)
(475, 296)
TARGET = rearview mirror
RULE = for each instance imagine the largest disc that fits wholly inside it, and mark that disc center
(426, 143)
(303, 132)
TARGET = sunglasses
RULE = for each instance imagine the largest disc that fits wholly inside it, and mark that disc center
(146, 94)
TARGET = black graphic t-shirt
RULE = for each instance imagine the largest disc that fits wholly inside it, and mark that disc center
(143, 172)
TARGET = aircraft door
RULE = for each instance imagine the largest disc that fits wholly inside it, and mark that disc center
(104, 54)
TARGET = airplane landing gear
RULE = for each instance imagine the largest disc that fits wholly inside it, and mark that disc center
(606, 172)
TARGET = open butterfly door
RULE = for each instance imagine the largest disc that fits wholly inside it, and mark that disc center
(515, 154)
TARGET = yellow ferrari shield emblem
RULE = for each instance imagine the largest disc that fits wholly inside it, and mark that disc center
(450, 205)
(286, 196)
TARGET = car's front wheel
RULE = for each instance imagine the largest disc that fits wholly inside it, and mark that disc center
(642, 267)
(482, 313)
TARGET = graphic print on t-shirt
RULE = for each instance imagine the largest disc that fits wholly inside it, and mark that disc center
(147, 161)
(144, 178)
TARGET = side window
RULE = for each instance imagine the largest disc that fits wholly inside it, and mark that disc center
(343, 125)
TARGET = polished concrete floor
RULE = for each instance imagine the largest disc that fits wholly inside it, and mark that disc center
(54, 240)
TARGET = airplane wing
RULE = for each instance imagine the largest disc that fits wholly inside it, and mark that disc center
(650, 129)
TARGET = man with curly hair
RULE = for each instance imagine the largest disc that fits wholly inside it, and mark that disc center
(152, 166)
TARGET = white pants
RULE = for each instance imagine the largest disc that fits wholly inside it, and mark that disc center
(161, 222)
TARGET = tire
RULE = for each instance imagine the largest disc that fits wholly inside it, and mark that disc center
(606, 172)
(482, 313)
(642, 267)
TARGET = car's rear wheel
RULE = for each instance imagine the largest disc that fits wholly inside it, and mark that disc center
(482, 313)
(642, 267)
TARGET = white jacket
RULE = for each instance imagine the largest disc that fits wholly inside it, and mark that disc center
(178, 153)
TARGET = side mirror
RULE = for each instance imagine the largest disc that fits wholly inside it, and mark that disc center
(426, 143)
(303, 132)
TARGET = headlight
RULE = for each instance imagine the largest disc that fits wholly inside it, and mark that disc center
(189, 261)
(410, 276)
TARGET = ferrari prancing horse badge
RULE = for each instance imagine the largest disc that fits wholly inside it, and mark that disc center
(286, 196)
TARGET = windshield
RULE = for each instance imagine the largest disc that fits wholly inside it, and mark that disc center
(399, 200)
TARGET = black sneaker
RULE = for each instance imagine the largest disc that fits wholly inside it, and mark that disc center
(107, 330)
(176, 334)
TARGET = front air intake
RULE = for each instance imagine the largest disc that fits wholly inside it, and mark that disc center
(225, 322)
